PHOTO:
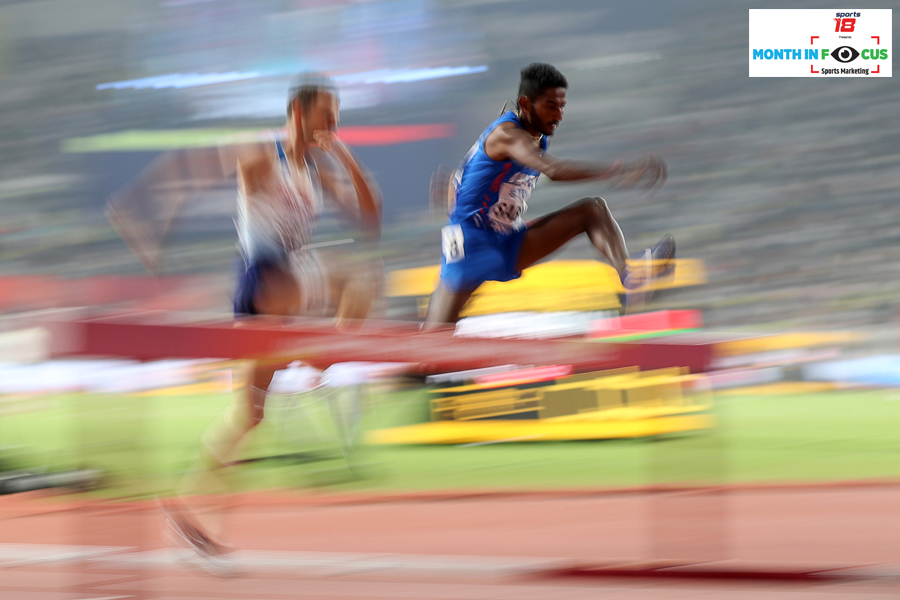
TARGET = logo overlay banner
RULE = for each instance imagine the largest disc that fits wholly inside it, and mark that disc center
(851, 42)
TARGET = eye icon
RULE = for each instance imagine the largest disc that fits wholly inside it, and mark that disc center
(844, 54)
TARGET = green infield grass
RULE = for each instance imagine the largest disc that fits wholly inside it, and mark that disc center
(144, 443)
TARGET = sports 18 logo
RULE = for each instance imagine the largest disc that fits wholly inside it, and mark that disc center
(844, 25)
(845, 22)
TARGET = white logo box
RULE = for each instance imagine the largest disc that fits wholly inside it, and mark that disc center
(801, 30)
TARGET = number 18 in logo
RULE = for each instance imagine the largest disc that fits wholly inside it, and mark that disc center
(844, 25)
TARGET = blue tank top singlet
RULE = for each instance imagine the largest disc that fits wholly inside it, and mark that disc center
(493, 194)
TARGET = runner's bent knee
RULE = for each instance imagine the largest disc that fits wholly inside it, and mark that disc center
(596, 205)
(596, 211)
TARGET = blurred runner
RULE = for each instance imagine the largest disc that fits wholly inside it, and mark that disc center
(487, 240)
(282, 184)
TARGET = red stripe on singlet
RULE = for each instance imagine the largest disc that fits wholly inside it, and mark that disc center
(496, 185)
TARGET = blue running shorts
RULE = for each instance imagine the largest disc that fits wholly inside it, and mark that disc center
(486, 256)
(248, 276)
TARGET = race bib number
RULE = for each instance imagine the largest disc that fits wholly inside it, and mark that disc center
(452, 243)
(512, 202)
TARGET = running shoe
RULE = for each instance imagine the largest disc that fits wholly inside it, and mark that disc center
(645, 269)
(212, 555)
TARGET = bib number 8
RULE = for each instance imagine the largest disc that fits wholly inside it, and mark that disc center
(452, 244)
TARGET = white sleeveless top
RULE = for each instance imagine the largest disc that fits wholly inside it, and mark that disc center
(271, 225)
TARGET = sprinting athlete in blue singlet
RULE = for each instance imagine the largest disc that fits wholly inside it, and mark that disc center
(486, 238)
(486, 219)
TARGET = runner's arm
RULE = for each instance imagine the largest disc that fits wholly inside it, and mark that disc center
(368, 205)
(517, 144)
(144, 210)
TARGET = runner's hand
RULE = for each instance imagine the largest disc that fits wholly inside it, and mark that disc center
(441, 193)
(649, 166)
(328, 141)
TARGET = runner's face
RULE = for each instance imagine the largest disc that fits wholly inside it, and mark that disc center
(547, 110)
(320, 115)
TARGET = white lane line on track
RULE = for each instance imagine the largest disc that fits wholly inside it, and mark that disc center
(12, 555)
(331, 564)
(15, 555)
